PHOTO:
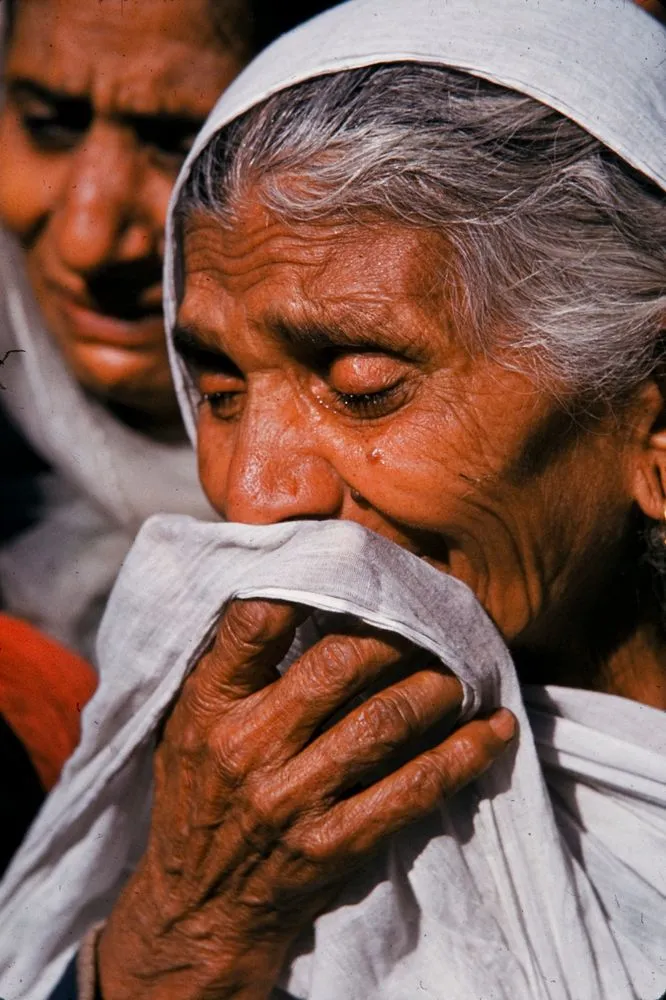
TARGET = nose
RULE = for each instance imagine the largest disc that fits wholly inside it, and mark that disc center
(276, 471)
(98, 219)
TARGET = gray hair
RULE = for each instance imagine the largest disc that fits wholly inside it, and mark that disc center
(559, 249)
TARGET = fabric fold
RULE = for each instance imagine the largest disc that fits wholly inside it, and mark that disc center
(486, 898)
(106, 478)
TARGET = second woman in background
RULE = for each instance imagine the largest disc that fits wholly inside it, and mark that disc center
(100, 105)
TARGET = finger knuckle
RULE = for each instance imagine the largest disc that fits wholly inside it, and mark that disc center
(265, 810)
(466, 755)
(231, 749)
(384, 721)
(315, 845)
(184, 730)
(431, 777)
(337, 655)
(332, 668)
(247, 625)
(446, 770)
(189, 741)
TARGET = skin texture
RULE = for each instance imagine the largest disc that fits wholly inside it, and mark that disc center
(524, 493)
(255, 820)
(103, 101)
(334, 385)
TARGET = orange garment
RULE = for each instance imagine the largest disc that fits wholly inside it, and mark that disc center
(43, 688)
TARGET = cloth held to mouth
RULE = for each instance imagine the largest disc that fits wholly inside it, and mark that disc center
(541, 880)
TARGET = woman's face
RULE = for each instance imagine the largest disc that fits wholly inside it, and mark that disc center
(334, 386)
(102, 102)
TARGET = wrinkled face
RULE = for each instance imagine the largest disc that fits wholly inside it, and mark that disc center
(334, 386)
(103, 101)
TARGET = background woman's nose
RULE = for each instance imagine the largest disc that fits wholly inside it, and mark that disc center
(99, 220)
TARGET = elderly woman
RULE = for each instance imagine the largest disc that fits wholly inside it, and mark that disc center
(417, 290)
(101, 104)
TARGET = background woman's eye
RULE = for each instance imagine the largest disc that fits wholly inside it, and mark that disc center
(53, 132)
(170, 137)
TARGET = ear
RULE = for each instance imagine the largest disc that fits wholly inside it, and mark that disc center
(648, 432)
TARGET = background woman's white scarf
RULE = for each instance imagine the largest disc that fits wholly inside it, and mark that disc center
(547, 879)
(106, 479)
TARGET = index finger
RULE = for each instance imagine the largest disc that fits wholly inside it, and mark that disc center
(251, 640)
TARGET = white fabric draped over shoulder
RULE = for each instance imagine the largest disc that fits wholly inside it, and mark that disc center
(547, 879)
(105, 478)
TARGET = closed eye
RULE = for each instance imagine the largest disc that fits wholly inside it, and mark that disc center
(367, 385)
(370, 405)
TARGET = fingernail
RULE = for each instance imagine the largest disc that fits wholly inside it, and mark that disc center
(503, 724)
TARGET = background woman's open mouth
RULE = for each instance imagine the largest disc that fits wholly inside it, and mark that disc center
(131, 327)
(119, 305)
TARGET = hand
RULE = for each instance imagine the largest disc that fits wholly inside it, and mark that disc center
(256, 823)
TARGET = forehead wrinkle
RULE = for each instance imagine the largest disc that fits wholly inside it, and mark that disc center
(276, 245)
(321, 283)
(237, 270)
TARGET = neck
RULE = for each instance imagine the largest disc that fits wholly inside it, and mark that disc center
(637, 669)
(608, 638)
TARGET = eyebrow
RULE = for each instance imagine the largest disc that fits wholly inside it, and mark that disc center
(27, 88)
(24, 87)
(196, 351)
(309, 338)
(358, 333)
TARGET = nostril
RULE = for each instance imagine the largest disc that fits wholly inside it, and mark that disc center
(306, 517)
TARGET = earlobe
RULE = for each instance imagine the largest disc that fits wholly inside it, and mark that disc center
(649, 431)
(650, 487)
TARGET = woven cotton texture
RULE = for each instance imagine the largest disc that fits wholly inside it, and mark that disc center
(487, 898)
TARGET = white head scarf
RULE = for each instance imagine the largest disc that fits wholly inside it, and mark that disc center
(599, 62)
(106, 478)
(543, 881)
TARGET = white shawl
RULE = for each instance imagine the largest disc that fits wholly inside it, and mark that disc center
(106, 478)
(547, 879)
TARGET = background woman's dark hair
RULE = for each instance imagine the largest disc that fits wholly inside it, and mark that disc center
(246, 25)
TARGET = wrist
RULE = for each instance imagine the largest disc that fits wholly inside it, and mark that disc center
(140, 955)
(225, 976)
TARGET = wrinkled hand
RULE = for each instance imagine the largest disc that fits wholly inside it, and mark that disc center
(258, 819)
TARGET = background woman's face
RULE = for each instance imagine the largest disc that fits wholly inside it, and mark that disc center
(103, 100)
(335, 387)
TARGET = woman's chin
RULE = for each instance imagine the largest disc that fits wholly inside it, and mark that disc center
(137, 380)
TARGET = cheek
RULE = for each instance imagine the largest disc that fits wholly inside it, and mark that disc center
(439, 481)
(29, 183)
(412, 468)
